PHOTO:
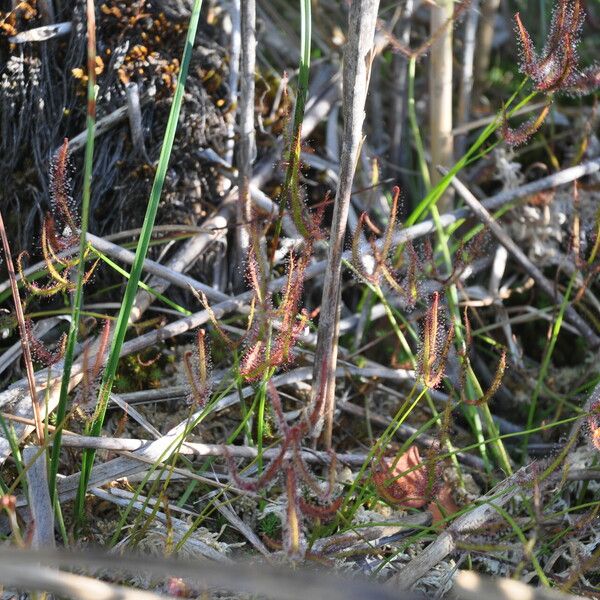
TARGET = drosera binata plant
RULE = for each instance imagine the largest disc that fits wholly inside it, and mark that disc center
(263, 350)
(290, 463)
(556, 69)
(383, 269)
(436, 344)
(61, 233)
(197, 370)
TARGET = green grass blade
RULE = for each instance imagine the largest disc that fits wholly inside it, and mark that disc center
(291, 186)
(142, 285)
(85, 211)
(142, 248)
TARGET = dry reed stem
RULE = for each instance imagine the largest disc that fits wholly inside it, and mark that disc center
(441, 142)
(356, 71)
(485, 37)
(400, 86)
(465, 99)
(42, 513)
(103, 125)
(37, 409)
(235, 49)
(246, 144)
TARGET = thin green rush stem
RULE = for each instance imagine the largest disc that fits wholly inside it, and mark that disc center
(85, 211)
(547, 357)
(260, 424)
(136, 271)
(291, 187)
(437, 192)
(519, 532)
(142, 285)
(412, 117)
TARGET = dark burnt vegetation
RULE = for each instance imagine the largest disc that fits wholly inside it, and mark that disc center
(43, 101)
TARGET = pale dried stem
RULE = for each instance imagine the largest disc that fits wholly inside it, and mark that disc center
(466, 84)
(357, 63)
(134, 112)
(246, 145)
(103, 125)
(234, 73)
(37, 409)
(202, 450)
(485, 37)
(400, 81)
(42, 513)
(440, 96)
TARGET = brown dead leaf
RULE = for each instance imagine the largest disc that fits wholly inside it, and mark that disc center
(406, 481)
(398, 484)
(443, 505)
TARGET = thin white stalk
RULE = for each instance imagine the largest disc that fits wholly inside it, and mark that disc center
(247, 144)
(440, 96)
(485, 37)
(40, 506)
(234, 73)
(400, 81)
(466, 84)
(357, 66)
